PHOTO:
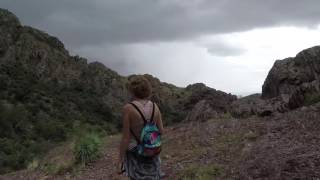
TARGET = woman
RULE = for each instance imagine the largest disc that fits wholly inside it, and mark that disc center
(134, 166)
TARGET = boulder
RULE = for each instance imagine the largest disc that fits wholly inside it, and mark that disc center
(255, 105)
(202, 111)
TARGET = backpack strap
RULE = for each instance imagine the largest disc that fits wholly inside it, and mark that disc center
(144, 121)
(137, 139)
(151, 120)
(143, 118)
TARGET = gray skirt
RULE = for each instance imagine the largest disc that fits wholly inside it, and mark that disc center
(141, 168)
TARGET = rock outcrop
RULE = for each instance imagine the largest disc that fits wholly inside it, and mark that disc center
(295, 80)
(202, 111)
(255, 105)
(205, 103)
(291, 83)
(250, 105)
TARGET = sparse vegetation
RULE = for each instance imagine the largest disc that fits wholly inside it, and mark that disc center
(27, 132)
(58, 160)
(226, 115)
(312, 99)
(200, 172)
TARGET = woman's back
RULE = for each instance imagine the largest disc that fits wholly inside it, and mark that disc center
(136, 121)
(132, 149)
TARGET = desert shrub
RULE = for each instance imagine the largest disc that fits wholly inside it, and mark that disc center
(171, 115)
(312, 99)
(87, 148)
(226, 115)
(13, 119)
(50, 128)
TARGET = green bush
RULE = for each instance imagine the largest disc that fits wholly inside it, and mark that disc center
(13, 155)
(36, 114)
(87, 148)
(52, 130)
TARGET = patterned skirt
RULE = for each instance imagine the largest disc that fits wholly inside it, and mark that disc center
(142, 168)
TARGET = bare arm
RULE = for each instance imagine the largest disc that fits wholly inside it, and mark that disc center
(159, 120)
(125, 132)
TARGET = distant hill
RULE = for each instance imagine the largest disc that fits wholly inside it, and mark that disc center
(46, 94)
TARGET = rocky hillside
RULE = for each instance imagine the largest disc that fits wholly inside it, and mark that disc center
(285, 146)
(46, 94)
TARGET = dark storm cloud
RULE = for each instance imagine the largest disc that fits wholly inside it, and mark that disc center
(83, 22)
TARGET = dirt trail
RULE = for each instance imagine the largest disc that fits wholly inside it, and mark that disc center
(104, 167)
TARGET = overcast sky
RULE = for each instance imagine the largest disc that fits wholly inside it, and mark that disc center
(229, 45)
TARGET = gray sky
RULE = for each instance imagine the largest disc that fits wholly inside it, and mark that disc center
(227, 44)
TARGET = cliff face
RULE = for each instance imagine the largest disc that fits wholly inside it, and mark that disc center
(46, 94)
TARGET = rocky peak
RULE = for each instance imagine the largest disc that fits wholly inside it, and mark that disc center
(44, 37)
(197, 87)
(9, 25)
(8, 20)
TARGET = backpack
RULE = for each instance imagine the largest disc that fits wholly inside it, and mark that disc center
(149, 143)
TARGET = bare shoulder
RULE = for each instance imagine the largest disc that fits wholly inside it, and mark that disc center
(156, 107)
(126, 107)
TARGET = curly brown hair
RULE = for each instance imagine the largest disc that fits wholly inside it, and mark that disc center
(139, 86)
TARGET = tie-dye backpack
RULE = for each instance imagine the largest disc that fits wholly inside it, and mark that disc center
(149, 143)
